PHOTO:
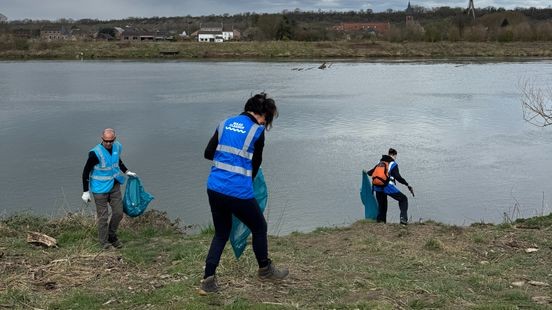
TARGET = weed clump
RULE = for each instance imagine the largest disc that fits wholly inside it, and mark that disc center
(538, 222)
(434, 245)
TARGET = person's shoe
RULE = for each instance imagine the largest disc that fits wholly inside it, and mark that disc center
(404, 222)
(117, 244)
(208, 285)
(107, 247)
(271, 273)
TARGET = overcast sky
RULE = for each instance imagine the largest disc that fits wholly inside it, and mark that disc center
(117, 9)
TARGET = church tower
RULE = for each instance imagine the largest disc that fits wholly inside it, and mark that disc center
(409, 14)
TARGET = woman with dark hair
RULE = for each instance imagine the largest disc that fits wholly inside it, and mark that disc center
(236, 149)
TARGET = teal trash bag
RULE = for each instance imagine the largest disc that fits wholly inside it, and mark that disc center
(240, 232)
(367, 198)
(136, 199)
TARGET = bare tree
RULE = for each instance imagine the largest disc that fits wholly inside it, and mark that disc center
(536, 104)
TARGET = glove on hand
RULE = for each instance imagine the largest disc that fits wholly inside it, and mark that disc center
(131, 174)
(86, 196)
(411, 190)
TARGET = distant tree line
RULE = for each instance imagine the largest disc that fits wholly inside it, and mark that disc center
(432, 25)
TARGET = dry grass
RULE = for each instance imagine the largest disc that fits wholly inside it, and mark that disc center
(278, 50)
(366, 265)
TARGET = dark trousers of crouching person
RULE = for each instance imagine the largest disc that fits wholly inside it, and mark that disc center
(381, 197)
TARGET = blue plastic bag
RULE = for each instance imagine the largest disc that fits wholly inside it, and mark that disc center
(367, 197)
(136, 199)
(240, 232)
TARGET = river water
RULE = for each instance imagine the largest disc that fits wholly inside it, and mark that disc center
(458, 128)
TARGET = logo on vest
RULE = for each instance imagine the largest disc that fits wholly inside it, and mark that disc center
(237, 127)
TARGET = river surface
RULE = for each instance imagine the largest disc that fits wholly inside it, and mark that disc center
(458, 128)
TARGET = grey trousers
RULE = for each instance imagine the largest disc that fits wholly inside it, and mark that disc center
(107, 228)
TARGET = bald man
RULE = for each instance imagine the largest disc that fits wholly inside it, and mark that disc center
(103, 176)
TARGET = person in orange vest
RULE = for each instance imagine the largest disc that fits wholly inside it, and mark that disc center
(384, 177)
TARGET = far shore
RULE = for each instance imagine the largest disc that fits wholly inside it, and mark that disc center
(278, 50)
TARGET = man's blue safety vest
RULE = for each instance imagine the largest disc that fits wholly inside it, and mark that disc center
(390, 188)
(107, 170)
(232, 171)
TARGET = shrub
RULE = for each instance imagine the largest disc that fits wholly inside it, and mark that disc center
(476, 33)
(543, 31)
(414, 32)
(21, 44)
(453, 34)
(523, 32)
(441, 31)
(396, 34)
(505, 35)
(5, 44)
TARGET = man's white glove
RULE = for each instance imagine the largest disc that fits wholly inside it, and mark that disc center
(86, 196)
(131, 174)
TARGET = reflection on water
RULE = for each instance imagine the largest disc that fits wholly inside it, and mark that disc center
(459, 131)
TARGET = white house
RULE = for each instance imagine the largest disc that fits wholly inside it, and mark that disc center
(216, 33)
(210, 36)
(227, 33)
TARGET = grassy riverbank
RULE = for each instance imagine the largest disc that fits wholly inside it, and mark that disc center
(366, 265)
(273, 50)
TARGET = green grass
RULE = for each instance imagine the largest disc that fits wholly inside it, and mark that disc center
(71, 238)
(81, 299)
(208, 230)
(16, 298)
(535, 222)
(24, 221)
(425, 304)
(479, 238)
(433, 245)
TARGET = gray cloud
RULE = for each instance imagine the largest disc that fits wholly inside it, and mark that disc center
(110, 9)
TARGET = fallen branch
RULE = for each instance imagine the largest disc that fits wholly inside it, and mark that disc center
(41, 239)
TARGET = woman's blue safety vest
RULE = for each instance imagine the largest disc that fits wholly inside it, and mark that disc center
(107, 170)
(232, 171)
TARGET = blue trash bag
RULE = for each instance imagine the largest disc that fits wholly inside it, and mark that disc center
(240, 232)
(136, 199)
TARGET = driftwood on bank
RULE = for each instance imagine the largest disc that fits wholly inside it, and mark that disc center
(41, 239)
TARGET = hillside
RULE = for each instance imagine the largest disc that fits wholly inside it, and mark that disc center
(366, 265)
(418, 24)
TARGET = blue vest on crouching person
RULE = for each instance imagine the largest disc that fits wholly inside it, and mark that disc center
(107, 170)
(390, 188)
(232, 171)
